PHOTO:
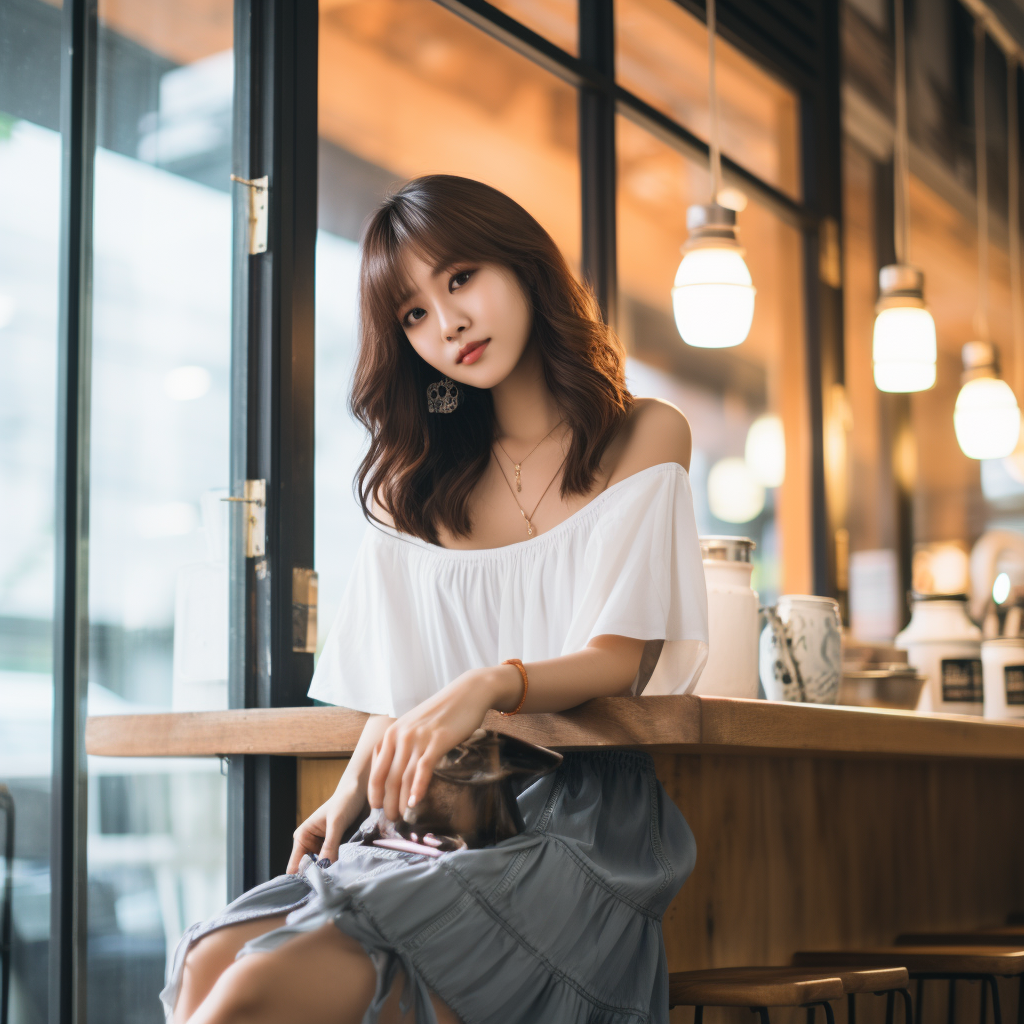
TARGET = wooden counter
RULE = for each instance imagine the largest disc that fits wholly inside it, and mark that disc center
(817, 827)
(671, 724)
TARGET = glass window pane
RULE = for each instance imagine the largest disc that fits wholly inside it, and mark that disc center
(722, 391)
(553, 19)
(661, 55)
(30, 173)
(407, 88)
(158, 577)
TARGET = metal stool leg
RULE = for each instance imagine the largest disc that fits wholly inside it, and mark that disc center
(890, 1005)
(698, 1015)
(997, 1015)
(829, 1016)
(810, 1015)
(762, 1012)
(951, 1005)
(1020, 1001)
(851, 1009)
(984, 1002)
(908, 1007)
(920, 1000)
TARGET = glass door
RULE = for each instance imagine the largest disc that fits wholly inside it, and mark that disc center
(159, 447)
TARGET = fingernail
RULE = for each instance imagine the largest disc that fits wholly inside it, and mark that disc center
(409, 817)
(324, 862)
(412, 799)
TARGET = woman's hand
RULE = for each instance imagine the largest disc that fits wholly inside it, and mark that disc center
(405, 757)
(320, 834)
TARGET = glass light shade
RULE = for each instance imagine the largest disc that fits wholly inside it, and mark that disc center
(734, 496)
(765, 451)
(713, 297)
(986, 419)
(1001, 588)
(904, 349)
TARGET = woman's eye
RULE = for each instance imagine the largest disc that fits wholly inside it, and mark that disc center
(459, 279)
(414, 316)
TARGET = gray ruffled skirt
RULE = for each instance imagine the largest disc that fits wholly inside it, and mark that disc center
(558, 925)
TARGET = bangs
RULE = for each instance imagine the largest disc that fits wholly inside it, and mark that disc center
(401, 230)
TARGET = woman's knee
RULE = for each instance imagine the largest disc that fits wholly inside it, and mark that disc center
(208, 958)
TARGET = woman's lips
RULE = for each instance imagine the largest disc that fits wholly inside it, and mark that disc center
(470, 353)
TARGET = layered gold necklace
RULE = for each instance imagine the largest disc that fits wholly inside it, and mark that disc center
(517, 466)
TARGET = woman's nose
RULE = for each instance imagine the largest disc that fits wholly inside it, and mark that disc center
(452, 330)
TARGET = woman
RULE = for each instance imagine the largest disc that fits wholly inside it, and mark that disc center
(532, 545)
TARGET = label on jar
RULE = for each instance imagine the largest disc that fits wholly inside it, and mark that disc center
(1013, 675)
(961, 680)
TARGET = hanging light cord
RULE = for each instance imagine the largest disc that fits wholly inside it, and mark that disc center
(901, 169)
(981, 164)
(715, 151)
(1017, 307)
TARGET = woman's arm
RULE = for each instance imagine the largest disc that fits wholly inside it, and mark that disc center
(409, 749)
(320, 834)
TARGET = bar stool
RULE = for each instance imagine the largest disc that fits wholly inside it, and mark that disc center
(1010, 936)
(756, 988)
(879, 981)
(7, 806)
(930, 963)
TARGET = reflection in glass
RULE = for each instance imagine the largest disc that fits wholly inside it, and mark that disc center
(407, 88)
(159, 465)
(30, 170)
(661, 55)
(553, 19)
(722, 392)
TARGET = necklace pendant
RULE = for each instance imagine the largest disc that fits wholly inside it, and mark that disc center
(519, 482)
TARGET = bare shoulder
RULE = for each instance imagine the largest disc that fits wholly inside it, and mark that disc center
(657, 432)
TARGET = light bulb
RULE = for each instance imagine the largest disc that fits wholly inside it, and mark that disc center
(765, 451)
(713, 296)
(1001, 588)
(903, 349)
(986, 419)
(734, 496)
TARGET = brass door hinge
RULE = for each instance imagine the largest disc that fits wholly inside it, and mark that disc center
(254, 494)
(259, 198)
(304, 601)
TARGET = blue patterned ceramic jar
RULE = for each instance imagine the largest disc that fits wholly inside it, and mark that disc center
(800, 655)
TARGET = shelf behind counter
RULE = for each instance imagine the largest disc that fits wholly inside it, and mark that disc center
(690, 724)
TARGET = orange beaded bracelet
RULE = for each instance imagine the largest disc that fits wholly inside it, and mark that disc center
(526, 685)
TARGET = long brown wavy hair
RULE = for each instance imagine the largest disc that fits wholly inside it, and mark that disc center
(422, 467)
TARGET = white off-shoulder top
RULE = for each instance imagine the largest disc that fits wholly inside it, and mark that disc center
(416, 615)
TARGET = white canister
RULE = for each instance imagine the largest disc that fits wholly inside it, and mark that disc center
(945, 647)
(731, 669)
(1002, 664)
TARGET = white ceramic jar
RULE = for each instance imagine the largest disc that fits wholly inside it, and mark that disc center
(945, 647)
(731, 669)
(1002, 663)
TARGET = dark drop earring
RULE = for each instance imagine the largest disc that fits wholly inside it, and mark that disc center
(443, 396)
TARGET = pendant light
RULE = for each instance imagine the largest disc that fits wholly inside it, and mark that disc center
(986, 417)
(713, 295)
(903, 348)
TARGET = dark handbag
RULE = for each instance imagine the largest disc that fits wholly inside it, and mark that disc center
(470, 802)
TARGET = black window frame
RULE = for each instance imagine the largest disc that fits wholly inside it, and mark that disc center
(273, 347)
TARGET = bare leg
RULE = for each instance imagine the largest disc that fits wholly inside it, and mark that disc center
(211, 956)
(321, 977)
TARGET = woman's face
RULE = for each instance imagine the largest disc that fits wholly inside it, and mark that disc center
(471, 322)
